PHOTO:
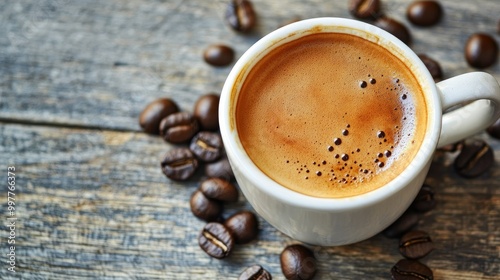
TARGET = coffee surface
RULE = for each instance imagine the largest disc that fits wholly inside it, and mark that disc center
(331, 115)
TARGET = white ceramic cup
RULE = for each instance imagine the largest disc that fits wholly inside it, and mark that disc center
(339, 221)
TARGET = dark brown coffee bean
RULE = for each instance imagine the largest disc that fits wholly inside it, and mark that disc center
(403, 224)
(154, 112)
(415, 244)
(255, 272)
(219, 189)
(205, 208)
(481, 50)
(411, 270)
(298, 262)
(220, 169)
(218, 55)
(433, 67)
(395, 28)
(424, 13)
(475, 159)
(179, 127)
(206, 110)
(494, 130)
(207, 146)
(365, 9)
(216, 240)
(425, 199)
(240, 15)
(243, 225)
(179, 164)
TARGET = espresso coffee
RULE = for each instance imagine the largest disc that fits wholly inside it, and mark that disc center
(331, 115)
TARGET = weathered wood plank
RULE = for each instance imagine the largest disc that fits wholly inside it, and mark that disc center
(98, 63)
(94, 204)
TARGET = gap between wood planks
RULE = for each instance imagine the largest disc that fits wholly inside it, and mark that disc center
(62, 125)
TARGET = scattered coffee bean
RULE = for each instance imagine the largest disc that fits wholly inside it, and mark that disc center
(207, 146)
(205, 208)
(218, 55)
(425, 200)
(395, 28)
(415, 244)
(240, 15)
(219, 189)
(365, 9)
(298, 262)
(216, 240)
(481, 50)
(403, 224)
(206, 110)
(411, 270)
(494, 130)
(151, 116)
(475, 159)
(433, 67)
(220, 169)
(244, 226)
(178, 127)
(424, 13)
(179, 164)
(255, 272)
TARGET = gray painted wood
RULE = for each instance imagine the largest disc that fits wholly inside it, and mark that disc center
(92, 201)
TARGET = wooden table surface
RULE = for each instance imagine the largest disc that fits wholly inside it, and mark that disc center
(91, 200)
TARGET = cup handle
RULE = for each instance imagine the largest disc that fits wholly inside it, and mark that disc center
(477, 94)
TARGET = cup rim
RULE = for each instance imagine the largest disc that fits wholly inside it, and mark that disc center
(240, 160)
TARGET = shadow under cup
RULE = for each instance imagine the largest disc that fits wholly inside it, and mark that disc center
(327, 221)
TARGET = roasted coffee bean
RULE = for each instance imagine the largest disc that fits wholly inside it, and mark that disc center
(415, 244)
(207, 146)
(365, 9)
(240, 15)
(475, 159)
(243, 225)
(411, 270)
(255, 272)
(179, 164)
(403, 224)
(219, 169)
(425, 200)
(205, 208)
(298, 262)
(179, 127)
(206, 110)
(481, 50)
(433, 67)
(151, 116)
(218, 55)
(394, 27)
(494, 130)
(216, 240)
(219, 189)
(424, 13)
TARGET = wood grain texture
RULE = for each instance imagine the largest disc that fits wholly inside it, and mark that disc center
(92, 201)
(95, 204)
(97, 63)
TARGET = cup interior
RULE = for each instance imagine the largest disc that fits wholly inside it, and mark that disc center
(231, 90)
